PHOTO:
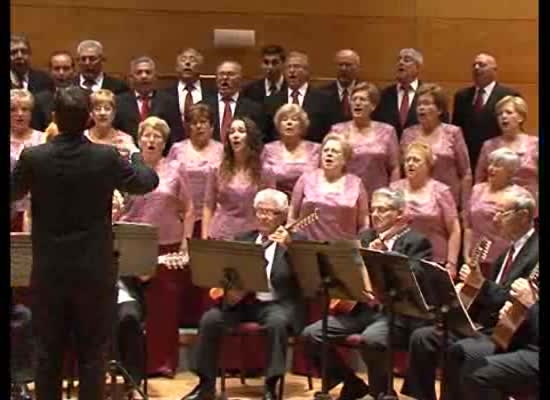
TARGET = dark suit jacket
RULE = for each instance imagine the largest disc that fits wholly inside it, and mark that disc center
(255, 90)
(38, 81)
(284, 282)
(478, 128)
(162, 105)
(115, 85)
(315, 104)
(42, 111)
(387, 110)
(336, 108)
(492, 296)
(245, 107)
(71, 183)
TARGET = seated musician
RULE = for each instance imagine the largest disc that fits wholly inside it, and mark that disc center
(280, 310)
(514, 219)
(390, 233)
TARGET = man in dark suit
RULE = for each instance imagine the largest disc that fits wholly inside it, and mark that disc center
(228, 101)
(62, 71)
(190, 89)
(22, 76)
(314, 101)
(514, 220)
(90, 59)
(144, 101)
(348, 64)
(280, 310)
(475, 113)
(389, 233)
(71, 182)
(273, 82)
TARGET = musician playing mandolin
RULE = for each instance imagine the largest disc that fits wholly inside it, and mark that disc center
(390, 233)
(280, 310)
(514, 219)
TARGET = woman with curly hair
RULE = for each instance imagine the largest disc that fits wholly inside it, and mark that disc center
(230, 189)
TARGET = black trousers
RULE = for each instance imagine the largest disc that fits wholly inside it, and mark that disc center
(131, 341)
(275, 317)
(84, 309)
(22, 354)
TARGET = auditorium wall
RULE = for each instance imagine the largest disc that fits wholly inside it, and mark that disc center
(448, 32)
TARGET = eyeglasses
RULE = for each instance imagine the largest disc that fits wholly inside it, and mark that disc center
(502, 213)
(264, 212)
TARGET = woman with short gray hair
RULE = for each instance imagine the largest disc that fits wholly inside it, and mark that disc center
(478, 216)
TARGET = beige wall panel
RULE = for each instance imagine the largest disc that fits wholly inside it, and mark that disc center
(478, 9)
(386, 8)
(449, 47)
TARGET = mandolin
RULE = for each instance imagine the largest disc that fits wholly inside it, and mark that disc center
(217, 293)
(466, 292)
(509, 323)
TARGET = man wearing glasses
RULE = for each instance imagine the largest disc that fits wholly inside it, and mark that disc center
(514, 219)
(280, 310)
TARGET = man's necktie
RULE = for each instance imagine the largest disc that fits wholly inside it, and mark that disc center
(478, 103)
(226, 120)
(88, 84)
(188, 100)
(295, 97)
(345, 103)
(145, 107)
(404, 107)
(272, 89)
(507, 265)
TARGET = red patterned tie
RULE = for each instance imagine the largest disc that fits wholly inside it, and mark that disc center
(404, 107)
(507, 265)
(478, 104)
(226, 120)
(145, 109)
(188, 100)
(295, 97)
(345, 103)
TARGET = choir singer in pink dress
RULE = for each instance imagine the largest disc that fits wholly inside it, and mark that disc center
(375, 147)
(290, 156)
(452, 162)
(339, 195)
(170, 208)
(431, 208)
(230, 189)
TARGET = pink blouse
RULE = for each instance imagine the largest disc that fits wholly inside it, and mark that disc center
(16, 147)
(431, 217)
(479, 216)
(286, 172)
(233, 202)
(527, 174)
(452, 162)
(375, 155)
(198, 166)
(340, 213)
(165, 206)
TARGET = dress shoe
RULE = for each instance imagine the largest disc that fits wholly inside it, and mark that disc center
(200, 392)
(269, 395)
(354, 389)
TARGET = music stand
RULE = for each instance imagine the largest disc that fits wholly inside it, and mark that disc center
(337, 270)
(135, 249)
(395, 284)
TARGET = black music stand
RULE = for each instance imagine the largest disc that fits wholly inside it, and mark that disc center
(337, 271)
(135, 251)
(228, 265)
(396, 286)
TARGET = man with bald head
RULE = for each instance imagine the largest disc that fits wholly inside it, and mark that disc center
(228, 102)
(347, 70)
(314, 101)
(474, 106)
(90, 58)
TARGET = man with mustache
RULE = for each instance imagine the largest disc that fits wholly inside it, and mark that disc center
(228, 101)
(390, 233)
(474, 107)
(273, 59)
(314, 101)
(22, 76)
(145, 100)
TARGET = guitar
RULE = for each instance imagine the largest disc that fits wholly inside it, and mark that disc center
(509, 323)
(217, 293)
(466, 292)
(340, 306)
(176, 260)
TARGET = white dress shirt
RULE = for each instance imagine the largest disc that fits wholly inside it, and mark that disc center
(301, 94)
(196, 94)
(278, 84)
(221, 106)
(341, 89)
(98, 83)
(269, 255)
(487, 90)
(518, 245)
(412, 91)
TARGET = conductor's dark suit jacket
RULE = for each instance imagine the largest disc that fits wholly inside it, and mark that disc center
(71, 183)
